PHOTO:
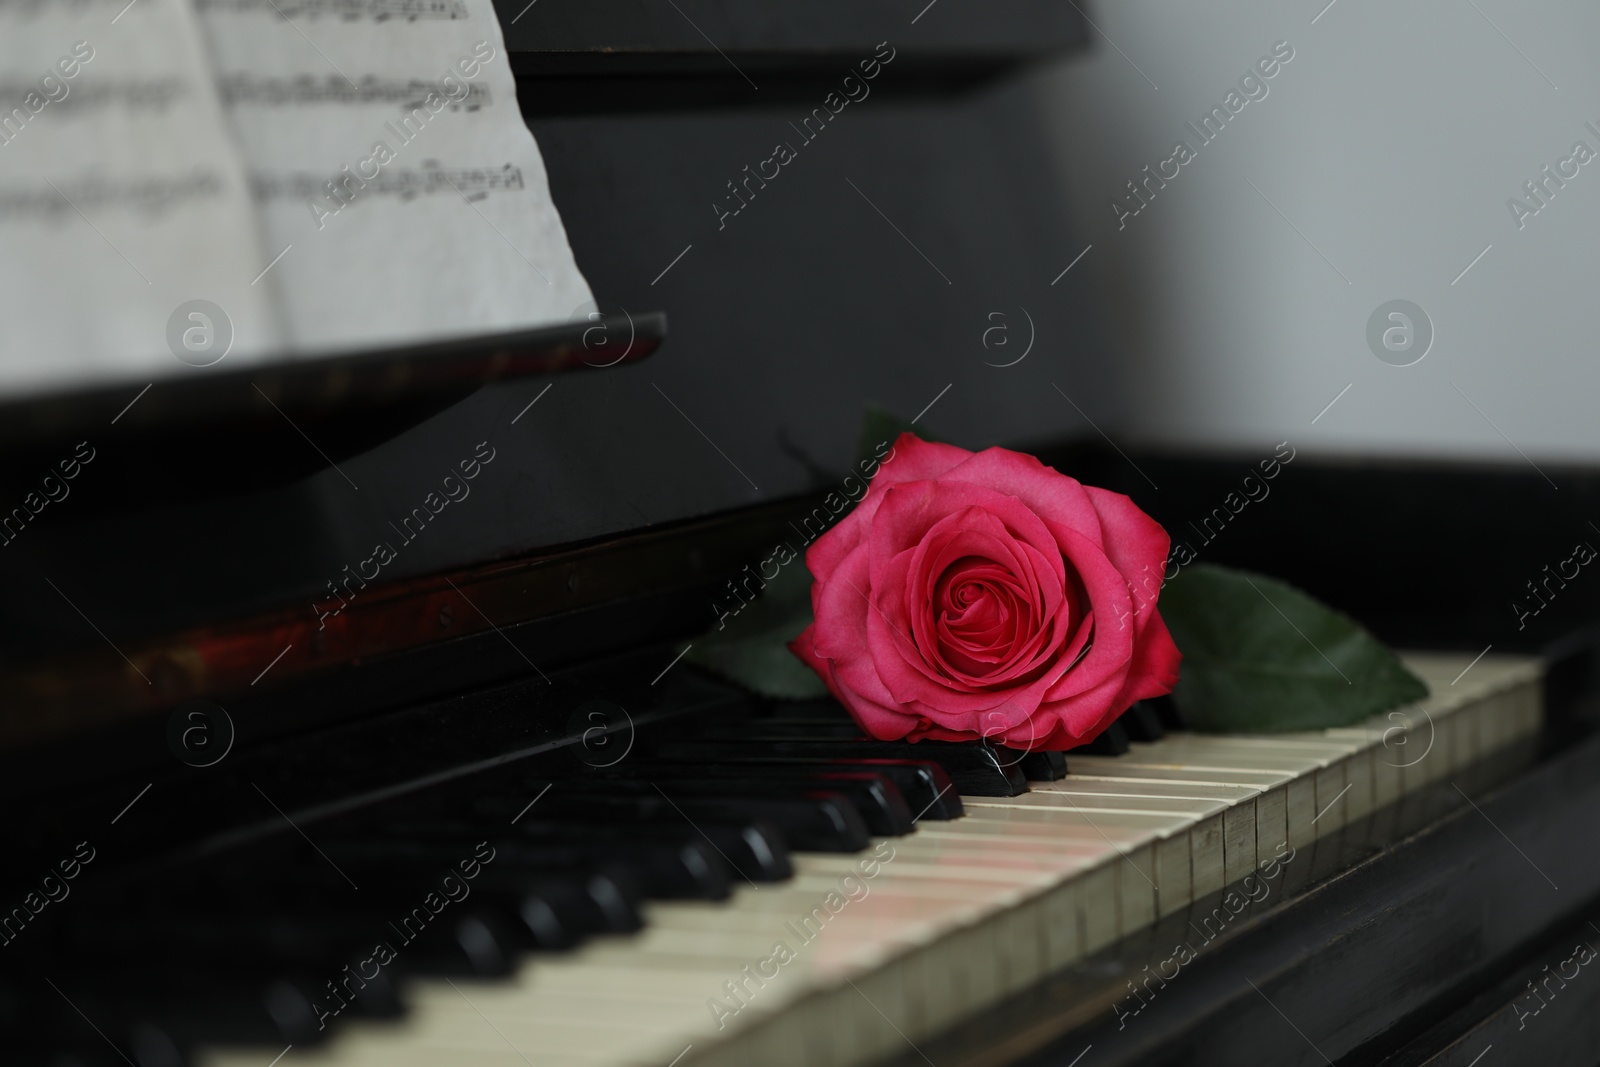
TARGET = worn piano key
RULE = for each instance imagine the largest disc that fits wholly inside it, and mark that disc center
(1240, 844)
(965, 910)
(1298, 763)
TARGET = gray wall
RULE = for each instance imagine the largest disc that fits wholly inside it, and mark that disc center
(1392, 140)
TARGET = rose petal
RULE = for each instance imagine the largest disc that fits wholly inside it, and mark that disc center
(911, 459)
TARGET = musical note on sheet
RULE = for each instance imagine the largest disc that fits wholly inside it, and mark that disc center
(404, 93)
(392, 116)
(304, 167)
(348, 10)
(119, 198)
(133, 94)
(474, 183)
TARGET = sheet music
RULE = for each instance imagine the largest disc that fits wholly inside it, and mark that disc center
(390, 160)
(327, 174)
(121, 196)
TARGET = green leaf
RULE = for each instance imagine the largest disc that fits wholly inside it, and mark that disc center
(750, 648)
(1261, 656)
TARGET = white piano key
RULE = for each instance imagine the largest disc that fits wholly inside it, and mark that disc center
(965, 912)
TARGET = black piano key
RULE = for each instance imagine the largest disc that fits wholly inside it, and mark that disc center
(561, 911)
(885, 810)
(238, 931)
(976, 769)
(676, 866)
(192, 1006)
(756, 848)
(1170, 714)
(95, 1052)
(1143, 723)
(809, 819)
(1112, 742)
(926, 786)
(1038, 766)
(876, 796)
(480, 942)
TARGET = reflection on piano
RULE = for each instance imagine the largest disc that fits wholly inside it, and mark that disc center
(488, 815)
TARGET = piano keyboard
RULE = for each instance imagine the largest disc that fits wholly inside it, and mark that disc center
(858, 956)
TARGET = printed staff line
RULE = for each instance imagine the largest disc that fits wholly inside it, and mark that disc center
(496, 229)
(132, 402)
(901, 232)
(131, 803)
(1102, 433)
(1474, 263)
(1074, 263)
(1332, 402)
(674, 262)
(1502, 833)
(313, 44)
(274, 662)
(97, 630)
(1471, 665)
(308, 440)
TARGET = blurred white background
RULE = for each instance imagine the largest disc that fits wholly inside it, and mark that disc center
(1392, 141)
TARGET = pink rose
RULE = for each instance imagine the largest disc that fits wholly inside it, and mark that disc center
(983, 594)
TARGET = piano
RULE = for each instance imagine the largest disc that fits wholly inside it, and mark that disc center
(482, 811)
